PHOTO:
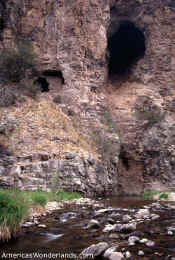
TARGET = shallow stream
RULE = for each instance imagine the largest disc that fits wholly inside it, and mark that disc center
(67, 234)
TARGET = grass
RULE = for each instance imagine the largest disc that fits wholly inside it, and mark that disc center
(15, 205)
(39, 198)
(64, 195)
(13, 209)
(149, 194)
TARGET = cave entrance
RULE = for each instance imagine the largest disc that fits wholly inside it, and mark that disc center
(126, 46)
(43, 83)
(54, 73)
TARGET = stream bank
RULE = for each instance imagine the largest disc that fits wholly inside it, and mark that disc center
(137, 228)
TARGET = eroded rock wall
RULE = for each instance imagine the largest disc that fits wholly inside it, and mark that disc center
(67, 36)
(155, 19)
(73, 173)
(149, 139)
(71, 37)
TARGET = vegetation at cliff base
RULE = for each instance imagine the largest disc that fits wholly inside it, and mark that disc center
(64, 195)
(15, 206)
(149, 194)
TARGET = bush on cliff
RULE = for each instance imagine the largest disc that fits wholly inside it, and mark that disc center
(15, 62)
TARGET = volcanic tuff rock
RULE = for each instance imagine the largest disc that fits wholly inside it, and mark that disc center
(143, 101)
(71, 37)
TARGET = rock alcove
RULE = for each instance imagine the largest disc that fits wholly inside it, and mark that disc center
(126, 46)
(54, 73)
(43, 83)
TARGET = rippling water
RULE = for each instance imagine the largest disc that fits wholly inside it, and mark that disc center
(69, 236)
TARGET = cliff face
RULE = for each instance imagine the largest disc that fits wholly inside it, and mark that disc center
(155, 19)
(143, 101)
(72, 37)
(49, 138)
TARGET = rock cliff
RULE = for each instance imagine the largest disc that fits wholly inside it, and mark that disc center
(51, 139)
(143, 99)
(72, 38)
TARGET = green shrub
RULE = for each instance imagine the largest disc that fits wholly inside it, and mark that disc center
(39, 197)
(163, 195)
(15, 62)
(148, 194)
(13, 208)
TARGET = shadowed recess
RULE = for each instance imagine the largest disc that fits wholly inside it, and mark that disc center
(43, 84)
(126, 46)
(54, 73)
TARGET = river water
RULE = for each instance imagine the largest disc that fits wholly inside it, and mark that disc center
(67, 234)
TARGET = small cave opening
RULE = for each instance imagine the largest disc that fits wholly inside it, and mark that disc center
(126, 46)
(54, 73)
(3, 14)
(43, 83)
(2, 24)
(124, 158)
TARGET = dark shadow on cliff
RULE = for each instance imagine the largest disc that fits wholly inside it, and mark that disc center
(126, 46)
(54, 73)
(43, 83)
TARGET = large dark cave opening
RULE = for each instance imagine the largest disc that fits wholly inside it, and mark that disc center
(126, 46)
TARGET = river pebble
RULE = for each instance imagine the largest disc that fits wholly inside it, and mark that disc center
(150, 243)
(126, 218)
(27, 224)
(128, 255)
(110, 250)
(132, 240)
(141, 253)
(143, 240)
(93, 223)
(109, 228)
(126, 228)
(142, 213)
(95, 250)
(42, 226)
(116, 256)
